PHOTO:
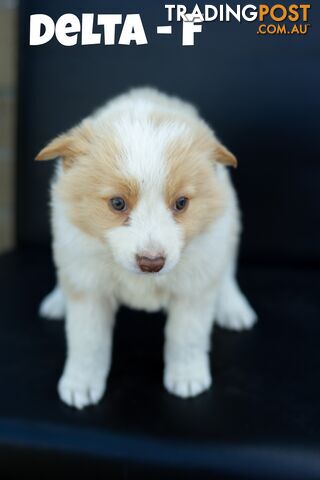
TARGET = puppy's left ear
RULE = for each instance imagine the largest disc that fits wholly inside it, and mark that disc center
(222, 155)
(214, 149)
(68, 146)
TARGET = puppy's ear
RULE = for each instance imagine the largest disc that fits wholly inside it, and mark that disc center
(222, 155)
(68, 146)
(208, 142)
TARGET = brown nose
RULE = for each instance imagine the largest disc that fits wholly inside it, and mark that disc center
(147, 264)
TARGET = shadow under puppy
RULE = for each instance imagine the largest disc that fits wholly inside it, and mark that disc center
(143, 214)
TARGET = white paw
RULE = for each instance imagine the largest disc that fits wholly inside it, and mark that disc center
(53, 306)
(187, 381)
(80, 391)
(235, 312)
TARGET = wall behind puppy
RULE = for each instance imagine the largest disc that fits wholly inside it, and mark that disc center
(8, 34)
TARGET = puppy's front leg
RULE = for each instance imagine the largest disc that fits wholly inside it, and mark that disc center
(187, 345)
(89, 324)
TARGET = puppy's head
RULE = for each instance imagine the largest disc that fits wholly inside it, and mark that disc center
(144, 188)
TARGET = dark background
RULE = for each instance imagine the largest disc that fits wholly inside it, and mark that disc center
(261, 418)
(260, 94)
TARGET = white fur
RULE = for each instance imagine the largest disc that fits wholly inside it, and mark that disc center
(53, 305)
(196, 285)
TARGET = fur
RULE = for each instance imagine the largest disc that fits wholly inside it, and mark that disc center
(149, 149)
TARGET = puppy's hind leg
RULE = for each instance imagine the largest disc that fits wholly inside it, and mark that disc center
(233, 309)
(53, 305)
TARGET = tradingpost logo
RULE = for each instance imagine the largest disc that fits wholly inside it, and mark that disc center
(271, 19)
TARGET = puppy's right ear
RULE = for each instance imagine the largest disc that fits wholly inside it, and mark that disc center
(68, 146)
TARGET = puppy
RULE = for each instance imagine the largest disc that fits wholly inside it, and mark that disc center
(144, 215)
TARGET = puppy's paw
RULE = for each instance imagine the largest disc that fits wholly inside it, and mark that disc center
(80, 391)
(236, 313)
(53, 306)
(187, 381)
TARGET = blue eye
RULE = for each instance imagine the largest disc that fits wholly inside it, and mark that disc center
(181, 203)
(118, 204)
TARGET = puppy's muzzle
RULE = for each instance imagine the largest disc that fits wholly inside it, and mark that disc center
(150, 264)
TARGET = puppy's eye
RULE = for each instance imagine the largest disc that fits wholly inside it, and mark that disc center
(181, 203)
(118, 204)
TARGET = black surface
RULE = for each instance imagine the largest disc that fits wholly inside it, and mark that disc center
(260, 420)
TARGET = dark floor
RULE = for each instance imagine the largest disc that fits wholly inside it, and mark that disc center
(261, 419)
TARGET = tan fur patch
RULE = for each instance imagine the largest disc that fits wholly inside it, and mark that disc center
(192, 175)
(69, 145)
(222, 155)
(93, 180)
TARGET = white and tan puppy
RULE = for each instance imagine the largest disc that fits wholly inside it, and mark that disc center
(143, 215)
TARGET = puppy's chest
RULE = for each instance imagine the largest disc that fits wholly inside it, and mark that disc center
(140, 293)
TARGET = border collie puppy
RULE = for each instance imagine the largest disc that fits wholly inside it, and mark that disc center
(144, 215)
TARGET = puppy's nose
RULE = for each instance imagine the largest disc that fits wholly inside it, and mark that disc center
(150, 264)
